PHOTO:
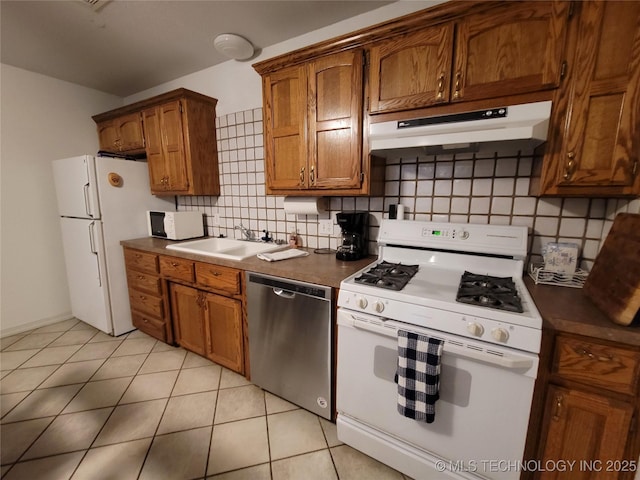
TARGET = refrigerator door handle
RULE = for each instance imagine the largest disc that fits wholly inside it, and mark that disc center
(87, 207)
(94, 251)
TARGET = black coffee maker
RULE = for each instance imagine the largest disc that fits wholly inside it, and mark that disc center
(355, 228)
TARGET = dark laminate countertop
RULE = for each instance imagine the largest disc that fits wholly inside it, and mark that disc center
(568, 310)
(322, 269)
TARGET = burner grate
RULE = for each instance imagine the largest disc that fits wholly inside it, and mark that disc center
(392, 276)
(488, 291)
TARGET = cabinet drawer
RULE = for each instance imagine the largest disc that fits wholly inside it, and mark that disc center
(144, 281)
(149, 325)
(147, 262)
(217, 277)
(609, 367)
(146, 303)
(177, 268)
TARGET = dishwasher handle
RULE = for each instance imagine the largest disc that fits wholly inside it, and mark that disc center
(287, 288)
(284, 293)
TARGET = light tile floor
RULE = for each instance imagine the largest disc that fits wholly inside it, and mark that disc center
(79, 404)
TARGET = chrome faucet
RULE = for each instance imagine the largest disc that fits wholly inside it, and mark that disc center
(248, 234)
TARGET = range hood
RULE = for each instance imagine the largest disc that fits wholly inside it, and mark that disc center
(468, 131)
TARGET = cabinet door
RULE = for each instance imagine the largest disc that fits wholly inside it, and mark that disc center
(601, 143)
(130, 131)
(223, 317)
(155, 156)
(335, 120)
(108, 136)
(411, 71)
(188, 319)
(584, 427)
(173, 146)
(285, 125)
(514, 49)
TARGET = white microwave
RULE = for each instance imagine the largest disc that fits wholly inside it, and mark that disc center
(175, 225)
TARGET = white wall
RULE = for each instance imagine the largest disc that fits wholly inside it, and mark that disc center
(42, 119)
(237, 85)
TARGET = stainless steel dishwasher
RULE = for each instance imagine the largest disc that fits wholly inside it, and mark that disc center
(290, 340)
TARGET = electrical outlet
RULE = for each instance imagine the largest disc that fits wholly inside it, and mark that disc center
(215, 219)
(325, 227)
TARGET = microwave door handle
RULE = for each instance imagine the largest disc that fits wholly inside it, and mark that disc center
(92, 246)
(505, 361)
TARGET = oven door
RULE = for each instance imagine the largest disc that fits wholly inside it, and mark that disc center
(481, 417)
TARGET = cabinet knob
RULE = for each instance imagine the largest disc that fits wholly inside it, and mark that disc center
(456, 92)
(312, 175)
(440, 94)
(302, 176)
(174, 264)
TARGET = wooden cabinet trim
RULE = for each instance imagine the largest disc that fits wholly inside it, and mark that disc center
(441, 13)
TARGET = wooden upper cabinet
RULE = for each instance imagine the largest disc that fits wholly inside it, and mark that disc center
(512, 49)
(179, 140)
(285, 109)
(313, 126)
(595, 149)
(411, 71)
(166, 155)
(122, 134)
(335, 121)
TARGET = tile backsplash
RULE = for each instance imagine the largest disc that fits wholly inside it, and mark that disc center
(467, 188)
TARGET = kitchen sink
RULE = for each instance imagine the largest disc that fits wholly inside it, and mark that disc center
(229, 248)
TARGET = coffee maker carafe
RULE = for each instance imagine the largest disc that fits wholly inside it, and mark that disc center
(355, 228)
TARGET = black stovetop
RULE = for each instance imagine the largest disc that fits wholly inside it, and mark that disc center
(488, 291)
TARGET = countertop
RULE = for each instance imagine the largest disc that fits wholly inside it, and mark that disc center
(321, 269)
(569, 310)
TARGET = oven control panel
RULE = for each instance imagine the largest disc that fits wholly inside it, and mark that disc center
(452, 233)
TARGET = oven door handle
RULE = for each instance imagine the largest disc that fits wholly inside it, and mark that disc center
(505, 361)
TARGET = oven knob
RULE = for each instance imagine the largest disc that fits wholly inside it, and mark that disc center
(475, 329)
(362, 302)
(378, 307)
(500, 334)
(464, 235)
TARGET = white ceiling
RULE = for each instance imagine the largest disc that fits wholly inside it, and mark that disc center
(131, 45)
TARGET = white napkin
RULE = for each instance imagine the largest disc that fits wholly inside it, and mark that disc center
(283, 255)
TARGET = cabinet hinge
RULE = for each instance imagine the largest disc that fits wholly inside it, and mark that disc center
(361, 177)
(365, 58)
(563, 69)
(180, 106)
(571, 9)
(634, 169)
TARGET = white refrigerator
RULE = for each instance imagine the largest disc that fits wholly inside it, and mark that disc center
(101, 201)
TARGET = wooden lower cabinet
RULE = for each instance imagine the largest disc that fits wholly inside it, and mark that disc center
(590, 414)
(223, 330)
(187, 315)
(149, 313)
(209, 325)
(587, 428)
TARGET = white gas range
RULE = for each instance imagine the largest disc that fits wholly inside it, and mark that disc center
(491, 331)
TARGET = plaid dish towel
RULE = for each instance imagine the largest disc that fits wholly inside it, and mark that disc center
(418, 375)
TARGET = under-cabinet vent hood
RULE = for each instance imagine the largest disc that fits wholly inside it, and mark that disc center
(467, 131)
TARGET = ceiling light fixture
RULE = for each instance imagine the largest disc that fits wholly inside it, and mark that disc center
(233, 46)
